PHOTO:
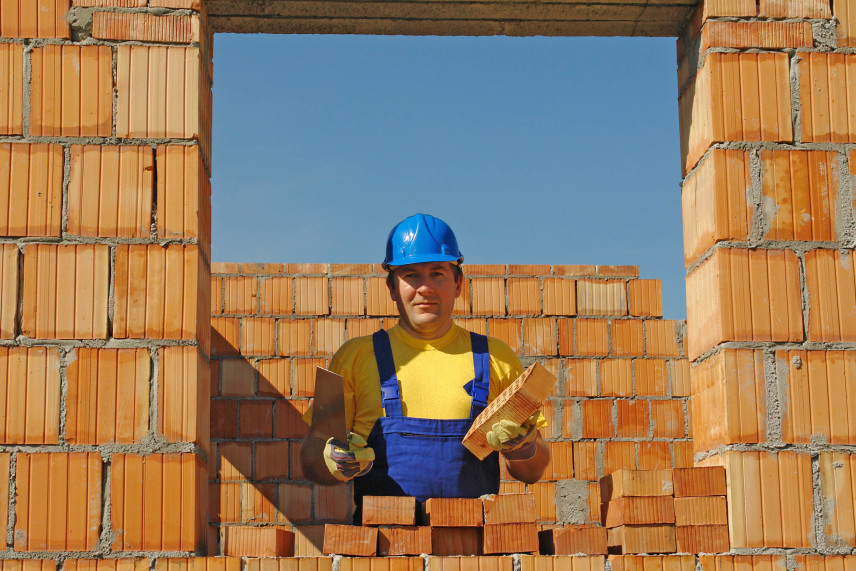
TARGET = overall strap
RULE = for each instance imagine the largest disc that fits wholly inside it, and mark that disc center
(481, 381)
(386, 368)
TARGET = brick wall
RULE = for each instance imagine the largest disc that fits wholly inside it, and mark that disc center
(621, 400)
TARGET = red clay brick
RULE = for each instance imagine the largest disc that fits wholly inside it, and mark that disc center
(30, 381)
(274, 377)
(654, 455)
(256, 419)
(561, 465)
(539, 336)
(643, 538)
(31, 189)
(71, 91)
(662, 338)
(825, 98)
(332, 504)
(585, 465)
(560, 296)
(448, 541)
(700, 481)
(30, 19)
(506, 330)
(588, 540)
(65, 291)
(702, 538)
(627, 337)
(453, 512)
(651, 377)
(9, 274)
(592, 337)
(183, 194)
(794, 9)
(236, 461)
(4, 485)
(11, 94)
(667, 417)
(581, 377)
(633, 418)
(294, 503)
(256, 541)
(350, 540)
(240, 295)
(653, 562)
(51, 483)
(509, 508)
(310, 296)
(601, 297)
(145, 27)
(701, 510)
(644, 298)
(618, 271)
(348, 297)
(224, 336)
(636, 483)
(488, 296)
(575, 270)
(831, 295)
(407, 540)
(529, 269)
(524, 296)
(258, 336)
(642, 510)
(544, 494)
(108, 395)
(837, 472)
(618, 455)
(224, 418)
(389, 510)
(769, 35)
(289, 421)
(183, 398)
(258, 503)
(238, 378)
(271, 461)
(378, 302)
(510, 538)
(276, 296)
(845, 12)
(597, 418)
(156, 502)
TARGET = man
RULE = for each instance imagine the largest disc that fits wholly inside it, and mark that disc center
(412, 393)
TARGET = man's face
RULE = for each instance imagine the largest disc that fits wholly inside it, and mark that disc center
(425, 295)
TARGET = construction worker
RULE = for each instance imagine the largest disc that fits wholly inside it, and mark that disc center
(412, 393)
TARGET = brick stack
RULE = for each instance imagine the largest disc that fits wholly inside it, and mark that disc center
(666, 511)
(768, 243)
(104, 269)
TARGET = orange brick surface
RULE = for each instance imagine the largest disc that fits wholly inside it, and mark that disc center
(588, 540)
(488, 296)
(838, 490)
(110, 191)
(616, 377)
(700, 481)
(183, 194)
(831, 295)
(9, 274)
(701, 510)
(453, 512)
(183, 395)
(627, 337)
(846, 13)
(794, 9)
(524, 296)
(30, 189)
(744, 295)
(597, 418)
(561, 563)
(636, 483)
(253, 541)
(510, 538)
(644, 298)
(509, 508)
(30, 385)
(770, 35)
(560, 296)
(652, 562)
(58, 483)
(11, 93)
(405, 540)
(601, 297)
(592, 337)
(32, 19)
(350, 540)
(702, 538)
(145, 27)
(633, 418)
(389, 510)
(71, 91)
(65, 291)
(826, 99)
(638, 511)
(108, 395)
(156, 502)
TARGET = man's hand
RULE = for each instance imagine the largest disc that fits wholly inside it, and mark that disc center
(347, 460)
(515, 441)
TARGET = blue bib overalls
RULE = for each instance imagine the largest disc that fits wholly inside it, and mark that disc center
(424, 457)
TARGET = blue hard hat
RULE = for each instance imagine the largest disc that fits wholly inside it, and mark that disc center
(421, 238)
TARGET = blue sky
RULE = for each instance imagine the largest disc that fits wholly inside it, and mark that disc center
(534, 150)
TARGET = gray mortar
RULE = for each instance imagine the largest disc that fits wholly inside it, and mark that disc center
(763, 211)
(67, 357)
(577, 425)
(820, 515)
(80, 21)
(598, 457)
(775, 382)
(571, 501)
(28, 74)
(796, 110)
(804, 297)
(108, 536)
(154, 379)
(66, 174)
(825, 34)
(845, 221)
(10, 519)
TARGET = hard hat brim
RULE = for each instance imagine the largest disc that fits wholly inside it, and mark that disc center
(398, 262)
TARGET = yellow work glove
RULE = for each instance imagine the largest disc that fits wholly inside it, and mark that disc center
(515, 441)
(347, 460)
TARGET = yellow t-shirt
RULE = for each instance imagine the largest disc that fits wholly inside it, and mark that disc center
(431, 376)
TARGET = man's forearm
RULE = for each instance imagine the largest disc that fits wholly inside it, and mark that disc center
(530, 470)
(312, 459)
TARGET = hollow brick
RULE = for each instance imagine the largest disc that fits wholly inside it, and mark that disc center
(145, 27)
(618, 455)
(110, 191)
(654, 455)
(30, 385)
(183, 194)
(729, 399)
(662, 338)
(588, 540)
(289, 418)
(516, 537)
(826, 99)
(561, 563)
(756, 105)
(258, 541)
(744, 295)
(157, 502)
(224, 418)
(743, 562)
(699, 481)
(635, 483)
(157, 293)
(651, 377)
(274, 377)
(462, 305)
(702, 538)
(488, 296)
(581, 377)
(235, 462)
(701, 510)
(378, 302)
(453, 512)
(560, 296)
(224, 336)
(507, 331)
(597, 418)
(585, 462)
(195, 563)
(347, 296)
(627, 337)
(31, 189)
(333, 504)
(12, 91)
(539, 336)
(350, 540)
(276, 296)
(794, 9)
(183, 398)
(9, 256)
(652, 562)
(799, 194)
(71, 91)
(831, 285)
(256, 419)
(768, 35)
(240, 295)
(641, 510)
(667, 416)
(592, 337)
(310, 296)
(601, 297)
(258, 336)
(404, 540)
(524, 296)
(65, 291)
(644, 298)
(307, 543)
(389, 510)
(616, 378)
(328, 336)
(108, 396)
(714, 202)
(34, 19)
(643, 538)
(456, 541)
(845, 12)
(57, 483)
(293, 502)
(838, 489)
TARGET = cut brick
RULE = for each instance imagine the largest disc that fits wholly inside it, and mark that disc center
(588, 540)
(634, 483)
(516, 403)
(642, 510)
(706, 510)
(254, 541)
(643, 538)
(702, 538)
(30, 189)
(9, 274)
(350, 540)
(108, 395)
(110, 191)
(510, 538)
(65, 291)
(58, 483)
(405, 540)
(388, 510)
(446, 541)
(11, 88)
(71, 91)
(453, 512)
(509, 508)
(700, 481)
(145, 27)
(157, 502)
